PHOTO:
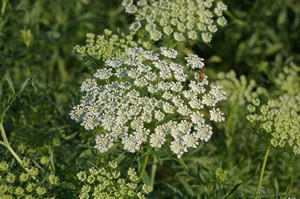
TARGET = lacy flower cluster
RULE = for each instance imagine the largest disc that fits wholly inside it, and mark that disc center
(239, 90)
(148, 98)
(23, 184)
(288, 80)
(181, 19)
(108, 183)
(278, 121)
(108, 45)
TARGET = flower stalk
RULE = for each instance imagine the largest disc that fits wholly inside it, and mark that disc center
(262, 172)
(153, 171)
(7, 145)
(146, 158)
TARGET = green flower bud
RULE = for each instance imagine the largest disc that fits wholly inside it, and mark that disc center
(3, 189)
(221, 175)
(3, 166)
(30, 187)
(53, 180)
(33, 171)
(146, 189)
(44, 160)
(40, 190)
(91, 179)
(81, 176)
(19, 191)
(23, 177)
(10, 178)
(29, 197)
(86, 189)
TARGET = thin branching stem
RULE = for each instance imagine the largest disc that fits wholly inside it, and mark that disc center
(145, 162)
(7, 145)
(234, 18)
(153, 171)
(262, 171)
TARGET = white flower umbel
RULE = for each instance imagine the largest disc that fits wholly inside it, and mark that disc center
(148, 99)
(180, 19)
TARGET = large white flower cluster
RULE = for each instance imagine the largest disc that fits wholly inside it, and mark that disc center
(148, 99)
(182, 19)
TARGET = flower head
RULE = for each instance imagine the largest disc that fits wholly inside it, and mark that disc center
(109, 183)
(278, 122)
(151, 101)
(183, 19)
(110, 44)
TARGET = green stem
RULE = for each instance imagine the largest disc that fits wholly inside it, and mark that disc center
(182, 163)
(15, 155)
(234, 18)
(230, 124)
(4, 3)
(254, 7)
(145, 162)
(7, 145)
(262, 171)
(292, 180)
(153, 171)
(3, 134)
(2, 143)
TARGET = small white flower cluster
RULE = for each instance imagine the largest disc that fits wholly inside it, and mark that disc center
(109, 183)
(108, 45)
(148, 98)
(182, 18)
(288, 79)
(278, 121)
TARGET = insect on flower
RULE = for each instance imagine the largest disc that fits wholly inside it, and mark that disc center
(201, 75)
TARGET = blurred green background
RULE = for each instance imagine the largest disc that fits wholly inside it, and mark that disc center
(37, 38)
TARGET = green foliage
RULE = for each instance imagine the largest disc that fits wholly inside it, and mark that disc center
(47, 50)
(108, 183)
(26, 181)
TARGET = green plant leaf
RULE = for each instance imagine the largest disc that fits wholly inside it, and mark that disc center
(233, 189)
(11, 85)
(25, 83)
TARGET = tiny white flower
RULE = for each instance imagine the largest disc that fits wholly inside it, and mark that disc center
(157, 140)
(155, 35)
(178, 36)
(77, 113)
(141, 134)
(171, 53)
(135, 26)
(203, 132)
(197, 118)
(178, 148)
(103, 74)
(159, 115)
(130, 143)
(88, 85)
(114, 62)
(222, 21)
(90, 122)
(167, 95)
(190, 140)
(206, 37)
(103, 143)
(216, 115)
(184, 110)
(168, 108)
(194, 61)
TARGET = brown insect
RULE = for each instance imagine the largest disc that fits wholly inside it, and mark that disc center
(201, 75)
